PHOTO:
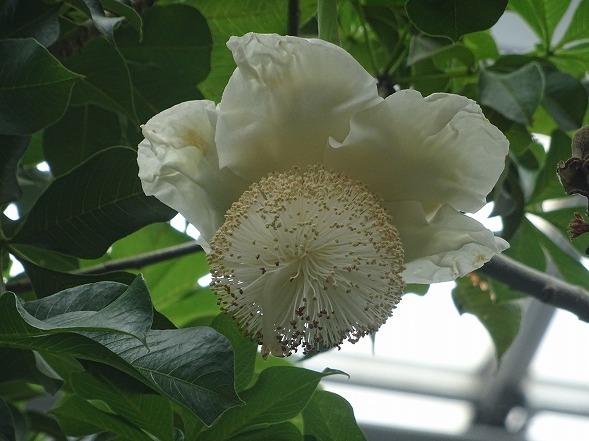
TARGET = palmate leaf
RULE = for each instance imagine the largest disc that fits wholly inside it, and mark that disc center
(34, 87)
(193, 367)
(542, 16)
(454, 18)
(84, 211)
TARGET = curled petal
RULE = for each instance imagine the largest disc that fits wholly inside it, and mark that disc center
(437, 150)
(178, 164)
(448, 246)
(286, 98)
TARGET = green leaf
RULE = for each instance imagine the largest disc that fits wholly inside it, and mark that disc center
(152, 413)
(235, 17)
(577, 29)
(565, 99)
(329, 416)
(439, 50)
(454, 18)
(123, 8)
(84, 211)
(106, 306)
(30, 19)
(280, 393)
(501, 319)
(482, 44)
(176, 39)
(561, 219)
(244, 350)
(547, 184)
(82, 132)
(46, 282)
(94, 10)
(278, 432)
(107, 82)
(77, 417)
(18, 364)
(192, 366)
(34, 87)
(515, 95)
(42, 423)
(11, 151)
(541, 15)
(7, 429)
(150, 100)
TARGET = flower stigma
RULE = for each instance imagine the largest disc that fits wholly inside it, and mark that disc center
(307, 258)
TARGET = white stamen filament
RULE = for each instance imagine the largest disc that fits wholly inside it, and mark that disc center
(307, 259)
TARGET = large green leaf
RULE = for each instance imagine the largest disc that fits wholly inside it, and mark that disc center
(454, 18)
(328, 417)
(541, 15)
(30, 19)
(34, 87)
(192, 366)
(106, 306)
(176, 39)
(235, 17)
(11, 151)
(565, 99)
(82, 132)
(84, 211)
(515, 95)
(501, 319)
(280, 393)
(77, 417)
(152, 413)
(150, 100)
(107, 82)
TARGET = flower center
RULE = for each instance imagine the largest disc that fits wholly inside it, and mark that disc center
(307, 259)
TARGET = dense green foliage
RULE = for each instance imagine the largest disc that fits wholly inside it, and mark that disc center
(147, 356)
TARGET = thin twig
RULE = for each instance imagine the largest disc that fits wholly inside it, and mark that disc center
(537, 284)
(135, 262)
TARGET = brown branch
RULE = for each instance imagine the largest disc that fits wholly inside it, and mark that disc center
(539, 285)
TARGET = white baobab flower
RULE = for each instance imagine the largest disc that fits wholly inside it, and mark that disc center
(316, 199)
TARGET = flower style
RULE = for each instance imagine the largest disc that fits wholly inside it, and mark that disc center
(316, 199)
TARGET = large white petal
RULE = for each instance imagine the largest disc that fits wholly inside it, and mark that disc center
(287, 96)
(436, 150)
(448, 246)
(178, 165)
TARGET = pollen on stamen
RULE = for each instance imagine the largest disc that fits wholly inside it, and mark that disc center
(307, 234)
